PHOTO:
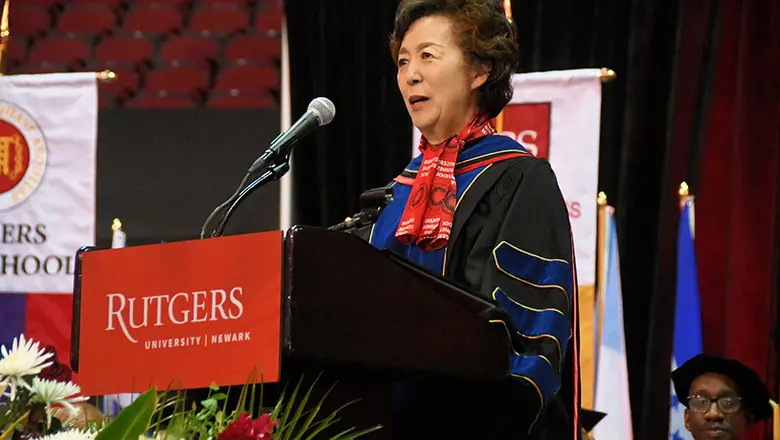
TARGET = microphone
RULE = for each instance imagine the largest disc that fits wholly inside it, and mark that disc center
(320, 112)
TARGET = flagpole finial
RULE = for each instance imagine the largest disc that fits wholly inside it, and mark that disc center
(116, 225)
(683, 191)
(607, 74)
(602, 199)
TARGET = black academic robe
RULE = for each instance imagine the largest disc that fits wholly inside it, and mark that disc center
(511, 243)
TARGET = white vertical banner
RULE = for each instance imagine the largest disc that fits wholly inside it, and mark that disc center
(557, 115)
(48, 143)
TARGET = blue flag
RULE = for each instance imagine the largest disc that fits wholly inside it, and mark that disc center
(687, 316)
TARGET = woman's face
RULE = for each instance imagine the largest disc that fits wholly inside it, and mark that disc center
(438, 85)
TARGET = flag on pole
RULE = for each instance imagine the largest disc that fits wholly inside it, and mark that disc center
(113, 403)
(687, 316)
(611, 389)
(48, 145)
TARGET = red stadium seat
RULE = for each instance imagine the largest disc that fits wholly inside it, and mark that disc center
(87, 20)
(47, 4)
(162, 99)
(253, 49)
(29, 21)
(63, 50)
(127, 50)
(249, 78)
(99, 3)
(177, 79)
(189, 48)
(107, 100)
(239, 3)
(239, 99)
(219, 20)
(152, 19)
(42, 67)
(16, 51)
(269, 20)
(173, 3)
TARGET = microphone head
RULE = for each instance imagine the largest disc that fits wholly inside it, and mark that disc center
(324, 109)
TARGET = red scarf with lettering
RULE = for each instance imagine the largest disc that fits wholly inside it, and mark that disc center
(427, 218)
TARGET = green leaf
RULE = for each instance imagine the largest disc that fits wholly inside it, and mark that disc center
(133, 421)
(283, 426)
(346, 436)
(210, 404)
(9, 432)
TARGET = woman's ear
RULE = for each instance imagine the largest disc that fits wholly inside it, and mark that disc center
(479, 76)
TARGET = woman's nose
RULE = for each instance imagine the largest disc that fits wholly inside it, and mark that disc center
(413, 75)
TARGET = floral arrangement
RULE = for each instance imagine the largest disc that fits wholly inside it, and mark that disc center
(38, 400)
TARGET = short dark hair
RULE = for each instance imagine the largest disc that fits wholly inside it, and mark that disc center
(483, 33)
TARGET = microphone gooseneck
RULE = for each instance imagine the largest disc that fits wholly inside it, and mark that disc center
(274, 162)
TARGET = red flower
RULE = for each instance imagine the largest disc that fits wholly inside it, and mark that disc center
(245, 428)
(57, 370)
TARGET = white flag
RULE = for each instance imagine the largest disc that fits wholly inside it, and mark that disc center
(48, 140)
(557, 115)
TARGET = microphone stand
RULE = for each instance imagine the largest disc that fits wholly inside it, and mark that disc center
(373, 202)
(274, 172)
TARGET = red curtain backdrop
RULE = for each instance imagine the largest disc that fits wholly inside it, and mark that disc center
(737, 200)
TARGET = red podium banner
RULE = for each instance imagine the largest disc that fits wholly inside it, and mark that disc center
(181, 315)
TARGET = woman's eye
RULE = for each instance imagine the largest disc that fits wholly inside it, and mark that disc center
(402, 62)
(426, 55)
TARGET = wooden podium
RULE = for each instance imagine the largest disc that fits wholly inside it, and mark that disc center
(357, 315)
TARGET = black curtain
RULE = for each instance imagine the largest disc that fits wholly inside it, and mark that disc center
(340, 50)
(651, 133)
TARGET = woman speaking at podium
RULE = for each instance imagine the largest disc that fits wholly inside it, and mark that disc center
(477, 208)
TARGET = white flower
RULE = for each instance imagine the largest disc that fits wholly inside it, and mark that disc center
(24, 359)
(75, 434)
(52, 392)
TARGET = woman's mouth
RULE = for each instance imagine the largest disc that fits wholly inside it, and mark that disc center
(417, 102)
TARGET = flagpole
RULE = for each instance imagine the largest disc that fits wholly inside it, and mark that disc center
(5, 34)
(590, 328)
(601, 260)
(508, 10)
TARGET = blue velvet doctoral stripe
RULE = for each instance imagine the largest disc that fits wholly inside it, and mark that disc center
(13, 312)
(537, 370)
(533, 269)
(533, 322)
(383, 232)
